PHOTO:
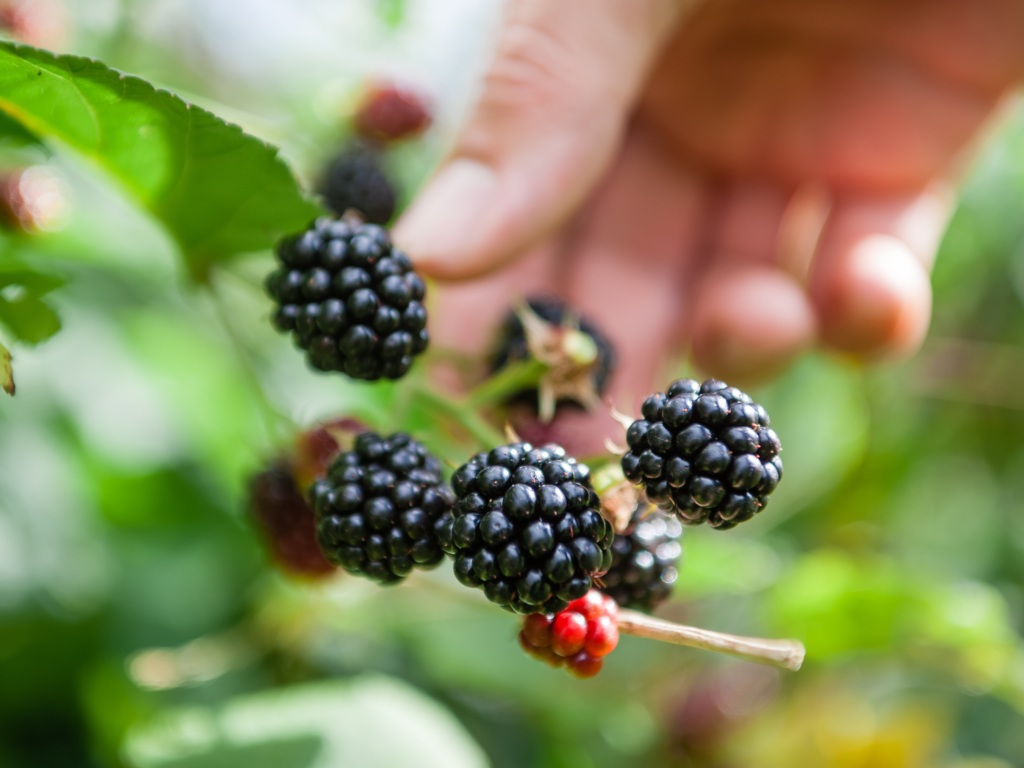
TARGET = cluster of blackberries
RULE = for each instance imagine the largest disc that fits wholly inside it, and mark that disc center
(351, 299)
(704, 451)
(577, 638)
(527, 528)
(355, 180)
(644, 560)
(381, 508)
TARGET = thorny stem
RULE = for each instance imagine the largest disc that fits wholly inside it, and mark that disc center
(786, 654)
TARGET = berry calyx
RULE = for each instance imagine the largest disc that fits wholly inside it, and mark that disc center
(579, 358)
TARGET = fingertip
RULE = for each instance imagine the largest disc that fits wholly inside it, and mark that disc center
(875, 300)
(441, 230)
(749, 322)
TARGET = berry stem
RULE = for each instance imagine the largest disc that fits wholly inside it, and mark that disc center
(509, 381)
(786, 654)
(461, 413)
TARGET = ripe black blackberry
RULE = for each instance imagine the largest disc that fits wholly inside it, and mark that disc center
(352, 301)
(381, 507)
(527, 528)
(644, 560)
(580, 382)
(704, 451)
(355, 179)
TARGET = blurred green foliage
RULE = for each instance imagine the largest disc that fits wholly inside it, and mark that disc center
(141, 626)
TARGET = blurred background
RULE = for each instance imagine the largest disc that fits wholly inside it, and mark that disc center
(142, 625)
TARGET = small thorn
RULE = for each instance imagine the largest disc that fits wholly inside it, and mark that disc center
(611, 447)
(619, 416)
(510, 434)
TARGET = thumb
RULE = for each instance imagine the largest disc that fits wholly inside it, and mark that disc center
(552, 113)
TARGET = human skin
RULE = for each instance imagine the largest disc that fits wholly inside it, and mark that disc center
(746, 179)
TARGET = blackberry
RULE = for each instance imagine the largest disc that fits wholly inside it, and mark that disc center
(350, 299)
(704, 451)
(572, 377)
(286, 522)
(644, 561)
(527, 528)
(355, 179)
(381, 508)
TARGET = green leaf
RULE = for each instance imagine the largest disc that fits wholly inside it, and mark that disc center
(14, 135)
(372, 722)
(22, 310)
(219, 191)
(6, 372)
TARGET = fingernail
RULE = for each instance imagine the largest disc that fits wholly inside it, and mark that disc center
(438, 229)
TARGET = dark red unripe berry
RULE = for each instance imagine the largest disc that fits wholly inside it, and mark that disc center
(584, 665)
(537, 629)
(546, 655)
(390, 112)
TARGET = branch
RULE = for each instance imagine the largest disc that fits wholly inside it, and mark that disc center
(787, 654)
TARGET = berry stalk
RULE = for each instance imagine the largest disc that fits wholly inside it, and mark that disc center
(786, 654)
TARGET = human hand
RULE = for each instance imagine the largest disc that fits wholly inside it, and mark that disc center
(749, 176)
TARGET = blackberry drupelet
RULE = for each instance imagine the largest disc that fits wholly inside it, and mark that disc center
(527, 528)
(355, 179)
(350, 299)
(513, 345)
(704, 451)
(381, 508)
(644, 561)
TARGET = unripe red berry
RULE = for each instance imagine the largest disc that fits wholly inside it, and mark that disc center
(568, 633)
(602, 636)
(611, 608)
(583, 665)
(591, 605)
(318, 446)
(537, 629)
